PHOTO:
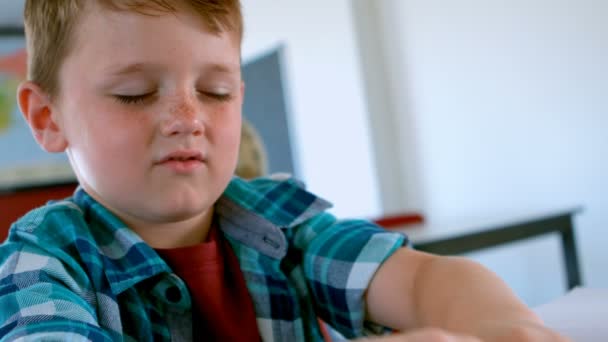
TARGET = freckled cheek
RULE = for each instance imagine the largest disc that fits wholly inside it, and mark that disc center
(120, 137)
(229, 134)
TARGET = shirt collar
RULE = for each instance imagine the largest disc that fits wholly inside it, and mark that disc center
(267, 204)
(126, 258)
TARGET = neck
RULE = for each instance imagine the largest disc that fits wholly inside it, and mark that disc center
(177, 234)
(167, 235)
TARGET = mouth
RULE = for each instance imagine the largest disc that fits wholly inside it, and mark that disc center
(183, 161)
(183, 156)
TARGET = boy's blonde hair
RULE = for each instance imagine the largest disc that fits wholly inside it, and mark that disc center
(49, 28)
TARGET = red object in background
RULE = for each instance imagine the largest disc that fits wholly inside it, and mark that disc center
(399, 220)
(15, 63)
(15, 204)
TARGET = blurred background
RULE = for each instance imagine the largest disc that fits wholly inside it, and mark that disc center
(459, 110)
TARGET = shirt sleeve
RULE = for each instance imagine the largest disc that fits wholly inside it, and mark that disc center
(41, 300)
(339, 260)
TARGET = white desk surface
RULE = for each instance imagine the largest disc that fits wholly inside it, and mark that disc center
(581, 314)
(434, 229)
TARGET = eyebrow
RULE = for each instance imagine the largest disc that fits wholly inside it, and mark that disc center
(223, 68)
(141, 67)
(129, 69)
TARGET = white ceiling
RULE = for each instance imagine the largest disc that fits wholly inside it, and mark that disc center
(11, 12)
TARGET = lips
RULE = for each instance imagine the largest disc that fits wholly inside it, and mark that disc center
(183, 156)
(183, 161)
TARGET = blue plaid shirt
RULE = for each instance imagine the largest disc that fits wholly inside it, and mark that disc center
(71, 270)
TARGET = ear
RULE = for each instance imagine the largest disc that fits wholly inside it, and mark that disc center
(35, 104)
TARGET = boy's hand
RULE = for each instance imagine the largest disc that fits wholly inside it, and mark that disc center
(422, 335)
(489, 332)
(524, 331)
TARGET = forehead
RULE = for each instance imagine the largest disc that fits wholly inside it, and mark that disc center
(225, 16)
(109, 41)
(213, 18)
(122, 31)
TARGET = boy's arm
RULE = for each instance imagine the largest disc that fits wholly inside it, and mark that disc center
(414, 290)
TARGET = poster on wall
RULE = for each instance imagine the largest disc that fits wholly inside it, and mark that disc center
(265, 107)
(22, 162)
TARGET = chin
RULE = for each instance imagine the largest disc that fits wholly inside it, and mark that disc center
(181, 205)
(179, 215)
(182, 214)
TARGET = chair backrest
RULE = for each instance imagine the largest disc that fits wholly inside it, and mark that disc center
(17, 203)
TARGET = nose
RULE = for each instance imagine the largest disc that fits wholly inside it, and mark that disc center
(182, 118)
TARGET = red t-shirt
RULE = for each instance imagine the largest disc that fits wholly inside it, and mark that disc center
(222, 307)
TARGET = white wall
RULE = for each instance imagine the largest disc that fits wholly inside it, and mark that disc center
(11, 12)
(505, 107)
(326, 96)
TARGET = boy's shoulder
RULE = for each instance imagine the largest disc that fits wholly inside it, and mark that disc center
(278, 198)
(81, 233)
(70, 227)
(56, 221)
(263, 185)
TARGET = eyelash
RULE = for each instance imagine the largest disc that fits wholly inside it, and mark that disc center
(138, 99)
(218, 97)
(131, 99)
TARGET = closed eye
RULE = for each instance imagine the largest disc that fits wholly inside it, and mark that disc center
(133, 99)
(222, 97)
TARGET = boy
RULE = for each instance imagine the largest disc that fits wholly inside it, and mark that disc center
(160, 243)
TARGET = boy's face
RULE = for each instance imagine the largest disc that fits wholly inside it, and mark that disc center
(150, 107)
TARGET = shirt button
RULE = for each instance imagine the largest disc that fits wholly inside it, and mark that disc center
(173, 294)
(271, 242)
